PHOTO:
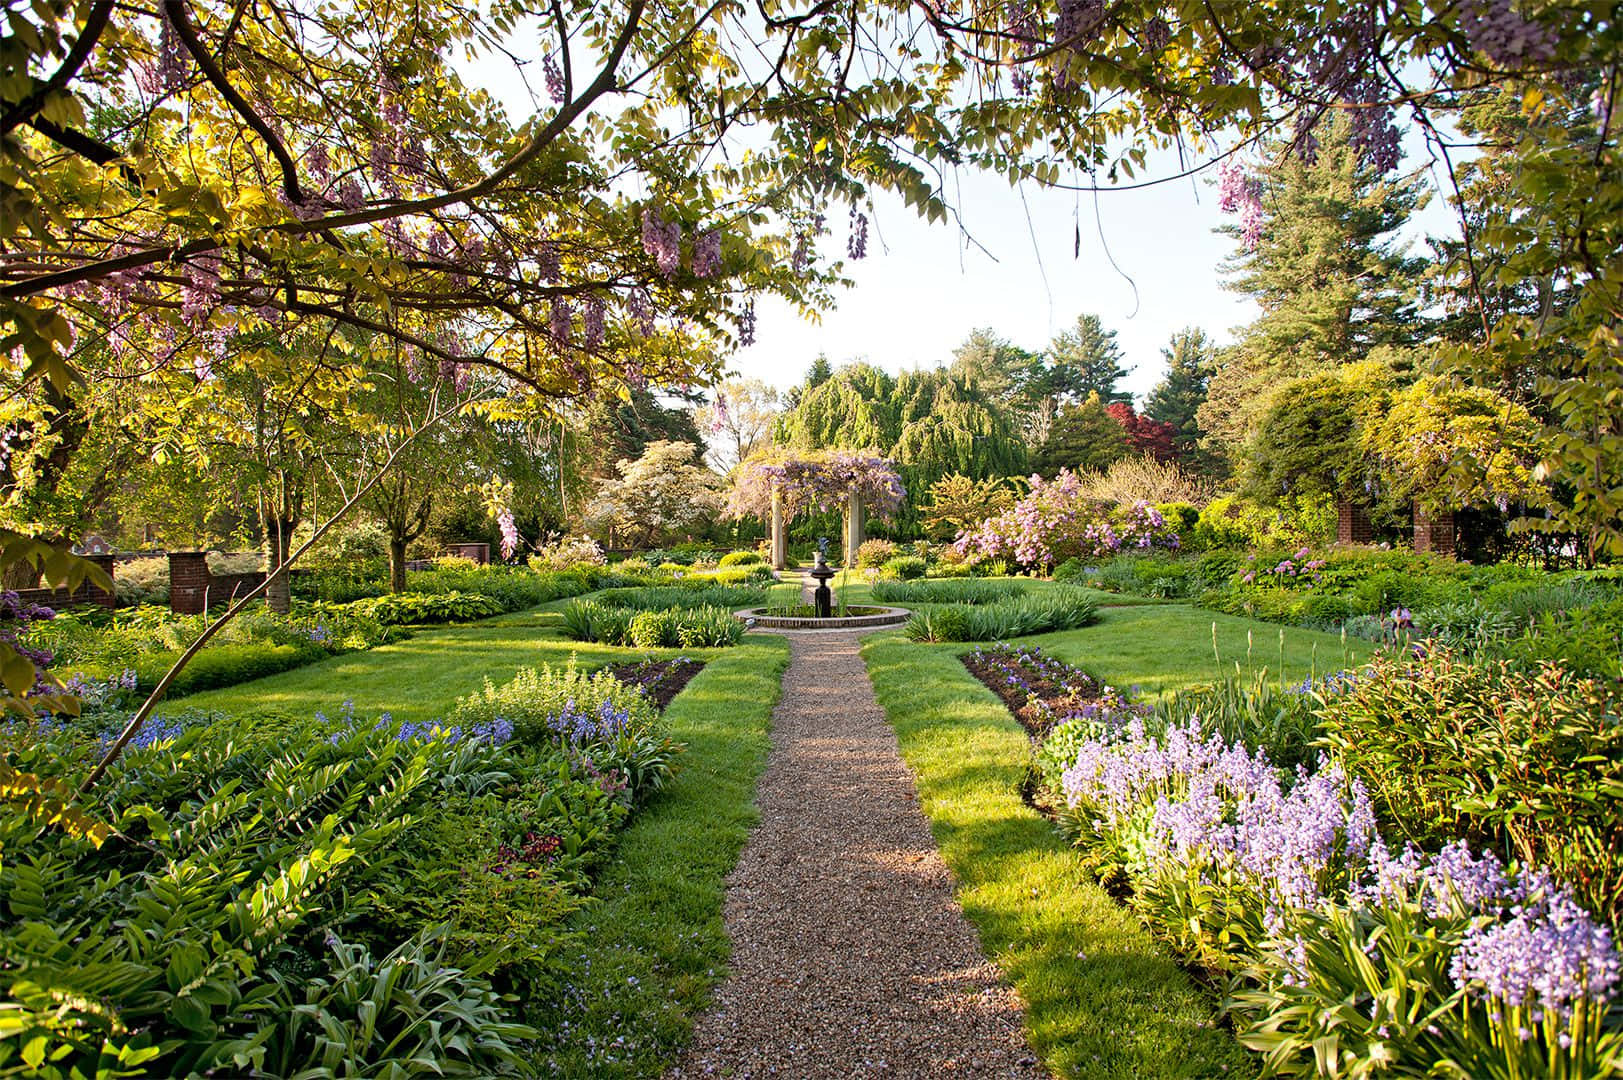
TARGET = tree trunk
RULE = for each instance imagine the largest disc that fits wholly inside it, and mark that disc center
(278, 541)
(397, 565)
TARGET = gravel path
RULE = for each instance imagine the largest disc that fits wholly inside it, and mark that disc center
(850, 956)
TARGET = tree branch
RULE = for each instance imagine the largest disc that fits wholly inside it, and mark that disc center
(101, 14)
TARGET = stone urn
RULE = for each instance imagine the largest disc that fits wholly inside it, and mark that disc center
(822, 598)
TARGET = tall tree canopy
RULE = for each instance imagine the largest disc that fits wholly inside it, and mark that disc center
(175, 176)
(1320, 258)
(1086, 360)
(1177, 398)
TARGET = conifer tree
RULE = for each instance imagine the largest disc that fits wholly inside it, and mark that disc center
(1178, 396)
(1086, 360)
(1322, 263)
(1084, 436)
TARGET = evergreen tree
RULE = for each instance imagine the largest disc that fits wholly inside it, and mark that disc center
(1084, 436)
(816, 375)
(1177, 398)
(1085, 361)
(1330, 279)
(613, 429)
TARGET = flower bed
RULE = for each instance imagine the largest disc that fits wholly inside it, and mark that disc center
(352, 895)
(1042, 690)
(658, 680)
(1344, 955)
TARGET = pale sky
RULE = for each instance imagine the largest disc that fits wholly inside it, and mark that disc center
(923, 288)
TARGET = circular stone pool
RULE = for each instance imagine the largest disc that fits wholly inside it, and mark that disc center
(882, 616)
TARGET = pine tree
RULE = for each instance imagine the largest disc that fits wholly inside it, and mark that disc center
(1084, 436)
(1331, 281)
(1085, 361)
(1178, 396)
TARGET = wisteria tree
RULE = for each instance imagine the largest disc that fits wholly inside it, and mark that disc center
(778, 484)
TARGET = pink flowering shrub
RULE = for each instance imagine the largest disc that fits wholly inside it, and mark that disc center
(1056, 521)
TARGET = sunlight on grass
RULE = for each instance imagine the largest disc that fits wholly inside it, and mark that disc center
(1102, 998)
(657, 943)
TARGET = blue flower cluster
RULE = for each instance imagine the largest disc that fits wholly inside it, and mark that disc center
(579, 726)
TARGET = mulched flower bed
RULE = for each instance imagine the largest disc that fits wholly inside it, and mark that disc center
(1039, 689)
(659, 680)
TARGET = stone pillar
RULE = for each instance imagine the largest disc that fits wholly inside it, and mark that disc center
(780, 543)
(189, 581)
(95, 594)
(1352, 523)
(1434, 533)
(853, 529)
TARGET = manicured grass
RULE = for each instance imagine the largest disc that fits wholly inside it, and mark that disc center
(1169, 647)
(419, 678)
(656, 944)
(1102, 998)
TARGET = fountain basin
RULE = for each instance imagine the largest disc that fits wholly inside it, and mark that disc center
(881, 616)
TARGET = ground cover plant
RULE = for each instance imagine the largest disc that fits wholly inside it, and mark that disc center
(674, 627)
(457, 847)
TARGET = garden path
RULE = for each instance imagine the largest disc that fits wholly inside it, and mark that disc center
(850, 955)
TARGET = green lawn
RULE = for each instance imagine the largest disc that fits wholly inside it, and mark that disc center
(657, 942)
(1169, 647)
(419, 678)
(1102, 998)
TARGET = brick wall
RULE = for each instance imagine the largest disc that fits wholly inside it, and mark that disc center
(1352, 523)
(193, 587)
(1434, 533)
(479, 553)
(86, 593)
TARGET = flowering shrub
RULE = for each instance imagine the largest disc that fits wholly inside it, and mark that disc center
(874, 553)
(568, 553)
(1056, 521)
(1297, 571)
(1347, 958)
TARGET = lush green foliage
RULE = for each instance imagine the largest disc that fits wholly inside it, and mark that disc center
(1527, 763)
(740, 558)
(1057, 608)
(320, 894)
(949, 591)
(691, 592)
(673, 627)
(398, 609)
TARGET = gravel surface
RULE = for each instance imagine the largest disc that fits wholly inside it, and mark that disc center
(850, 956)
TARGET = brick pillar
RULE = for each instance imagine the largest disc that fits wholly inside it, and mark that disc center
(1352, 523)
(189, 580)
(1434, 533)
(105, 597)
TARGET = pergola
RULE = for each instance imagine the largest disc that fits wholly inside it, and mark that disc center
(782, 483)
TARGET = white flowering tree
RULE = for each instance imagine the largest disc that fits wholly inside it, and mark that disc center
(665, 492)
